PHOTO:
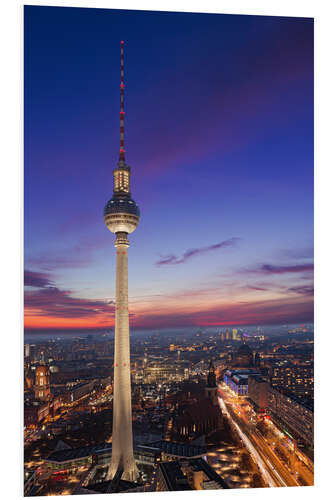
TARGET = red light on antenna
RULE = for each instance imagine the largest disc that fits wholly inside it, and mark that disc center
(122, 112)
(122, 42)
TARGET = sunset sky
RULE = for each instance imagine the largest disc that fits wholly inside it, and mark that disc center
(219, 136)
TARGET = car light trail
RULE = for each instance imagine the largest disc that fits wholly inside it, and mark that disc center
(253, 452)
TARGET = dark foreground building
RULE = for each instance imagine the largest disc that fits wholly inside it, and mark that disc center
(185, 475)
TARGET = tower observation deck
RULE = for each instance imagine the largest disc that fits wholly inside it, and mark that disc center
(121, 216)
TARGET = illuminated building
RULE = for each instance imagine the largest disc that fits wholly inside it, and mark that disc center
(211, 387)
(121, 216)
(259, 338)
(227, 334)
(162, 372)
(79, 391)
(35, 412)
(237, 380)
(168, 451)
(234, 334)
(28, 380)
(42, 383)
(297, 378)
(70, 460)
(293, 414)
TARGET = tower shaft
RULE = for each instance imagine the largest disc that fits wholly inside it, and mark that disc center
(122, 438)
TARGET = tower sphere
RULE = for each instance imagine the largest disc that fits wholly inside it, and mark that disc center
(121, 214)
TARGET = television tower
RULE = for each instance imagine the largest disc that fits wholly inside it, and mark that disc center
(121, 216)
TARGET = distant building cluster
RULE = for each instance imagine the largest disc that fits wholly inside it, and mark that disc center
(47, 390)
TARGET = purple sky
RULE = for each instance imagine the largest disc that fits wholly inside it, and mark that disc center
(219, 135)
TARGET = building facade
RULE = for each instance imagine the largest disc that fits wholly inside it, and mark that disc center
(293, 414)
(297, 378)
(42, 383)
(237, 380)
(258, 390)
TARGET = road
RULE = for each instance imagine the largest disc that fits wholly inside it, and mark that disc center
(273, 470)
(298, 461)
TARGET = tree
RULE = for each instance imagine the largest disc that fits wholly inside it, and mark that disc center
(256, 481)
(245, 462)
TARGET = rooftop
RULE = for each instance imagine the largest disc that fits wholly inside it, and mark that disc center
(176, 480)
(68, 455)
(306, 402)
(175, 449)
(174, 476)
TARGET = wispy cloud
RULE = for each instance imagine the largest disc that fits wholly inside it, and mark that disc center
(258, 288)
(52, 301)
(269, 269)
(48, 303)
(36, 279)
(48, 300)
(302, 290)
(274, 311)
(192, 252)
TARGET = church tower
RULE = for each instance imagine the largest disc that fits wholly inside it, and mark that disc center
(211, 387)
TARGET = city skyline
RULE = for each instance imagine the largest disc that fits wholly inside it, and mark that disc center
(220, 132)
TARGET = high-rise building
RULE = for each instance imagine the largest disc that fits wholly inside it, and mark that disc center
(121, 216)
(234, 333)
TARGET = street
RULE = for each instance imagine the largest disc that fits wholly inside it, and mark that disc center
(274, 471)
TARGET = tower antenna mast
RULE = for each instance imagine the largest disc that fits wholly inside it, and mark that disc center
(122, 112)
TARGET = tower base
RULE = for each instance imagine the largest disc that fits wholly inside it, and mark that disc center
(129, 469)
